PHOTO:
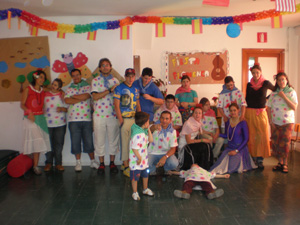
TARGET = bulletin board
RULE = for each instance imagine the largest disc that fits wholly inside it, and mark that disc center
(18, 58)
(201, 67)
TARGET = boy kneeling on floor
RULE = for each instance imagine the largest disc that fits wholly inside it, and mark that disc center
(197, 176)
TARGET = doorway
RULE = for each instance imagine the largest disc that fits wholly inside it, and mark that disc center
(270, 60)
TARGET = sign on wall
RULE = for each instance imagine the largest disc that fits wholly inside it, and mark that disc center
(201, 67)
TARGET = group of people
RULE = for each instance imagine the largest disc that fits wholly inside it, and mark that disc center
(123, 113)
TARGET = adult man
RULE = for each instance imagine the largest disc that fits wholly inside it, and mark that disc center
(104, 116)
(170, 106)
(161, 150)
(149, 92)
(79, 118)
(126, 101)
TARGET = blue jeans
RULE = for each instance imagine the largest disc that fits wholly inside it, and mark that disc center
(171, 162)
(57, 140)
(81, 131)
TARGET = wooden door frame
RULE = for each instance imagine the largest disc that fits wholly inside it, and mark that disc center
(255, 53)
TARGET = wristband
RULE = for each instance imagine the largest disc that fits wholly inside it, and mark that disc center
(166, 155)
(237, 151)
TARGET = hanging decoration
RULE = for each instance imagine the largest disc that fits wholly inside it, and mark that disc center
(285, 5)
(233, 30)
(47, 25)
(61, 35)
(197, 26)
(92, 35)
(124, 32)
(276, 22)
(160, 30)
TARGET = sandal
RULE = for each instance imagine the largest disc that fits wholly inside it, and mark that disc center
(285, 169)
(278, 167)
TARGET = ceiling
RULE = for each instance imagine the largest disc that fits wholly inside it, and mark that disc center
(148, 8)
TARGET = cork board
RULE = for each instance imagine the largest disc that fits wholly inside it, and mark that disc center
(201, 67)
(19, 57)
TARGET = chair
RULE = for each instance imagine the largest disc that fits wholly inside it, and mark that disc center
(294, 140)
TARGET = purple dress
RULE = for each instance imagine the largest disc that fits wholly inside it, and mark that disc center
(237, 139)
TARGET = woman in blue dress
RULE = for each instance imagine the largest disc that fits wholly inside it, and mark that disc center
(236, 157)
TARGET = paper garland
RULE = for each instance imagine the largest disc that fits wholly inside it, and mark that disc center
(43, 24)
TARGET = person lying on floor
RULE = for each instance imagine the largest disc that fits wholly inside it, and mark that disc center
(197, 176)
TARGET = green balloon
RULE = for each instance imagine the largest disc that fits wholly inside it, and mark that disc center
(46, 83)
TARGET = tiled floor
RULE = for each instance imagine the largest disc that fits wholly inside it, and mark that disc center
(86, 198)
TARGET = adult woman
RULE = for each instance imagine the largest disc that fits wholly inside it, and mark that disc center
(256, 116)
(236, 157)
(281, 112)
(36, 137)
(186, 98)
(188, 140)
(228, 95)
(210, 126)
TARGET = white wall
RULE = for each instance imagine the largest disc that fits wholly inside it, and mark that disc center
(179, 38)
(107, 44)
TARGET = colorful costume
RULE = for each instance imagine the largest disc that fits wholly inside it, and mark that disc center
(257, 118)
(36, 135)
(284, 118)
(128, 97)
(56, 125)
(184, 95)
(104, 116)
(237, 140)
(176, 116)
(163, 140)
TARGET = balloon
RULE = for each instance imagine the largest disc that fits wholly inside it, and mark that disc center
(233, 30)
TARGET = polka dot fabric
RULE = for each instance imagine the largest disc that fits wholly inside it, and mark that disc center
(139, 142)
(197, 174)
(281, 113)
(176, 117)
(54, 118)
(80, 111)
(209, 124)
(161, 144)
(104, 107)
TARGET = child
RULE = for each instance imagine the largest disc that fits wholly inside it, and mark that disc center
(55, 114)
(198, 176)
(36, 136)
(138, 154)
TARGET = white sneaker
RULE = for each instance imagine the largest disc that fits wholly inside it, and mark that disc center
(148, 192)
(37, 170)
(136, 196)
(78, 166)
(94, 164)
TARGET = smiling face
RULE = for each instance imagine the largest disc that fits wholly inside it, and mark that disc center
(256, 73)
(55, 87)
(76, 76)
(281, 81)
(186, 83)
(39, 79)
(105, 68)
(165, 120)
(234, 112)
(197, 114)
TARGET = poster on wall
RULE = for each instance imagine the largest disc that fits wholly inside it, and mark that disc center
(201, 67)
(19, 57)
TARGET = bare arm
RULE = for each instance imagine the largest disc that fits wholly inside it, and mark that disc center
(221, 111)
(150, 137)
(82, 97)
(71, 101)
(243, 112)
(137, 154)
(118, 111)
(222, 176)
(22, 105)
(138, 106)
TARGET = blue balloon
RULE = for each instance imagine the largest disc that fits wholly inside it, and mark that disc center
(233, 30)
